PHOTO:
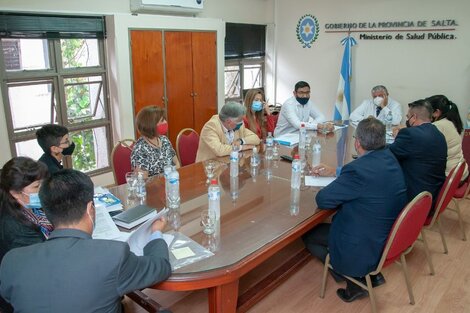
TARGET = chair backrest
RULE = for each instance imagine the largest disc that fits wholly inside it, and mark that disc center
(121, 160)
(187, 144)
(406, 228)
(466, 145)
(447, 191)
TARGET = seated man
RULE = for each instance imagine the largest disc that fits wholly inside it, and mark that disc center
(421, 150)
(54, 141)
(224, 130)
(378, 107)
(71, 272)
(369, 194)
(298, 110)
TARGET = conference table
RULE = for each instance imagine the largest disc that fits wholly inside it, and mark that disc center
(257, 221)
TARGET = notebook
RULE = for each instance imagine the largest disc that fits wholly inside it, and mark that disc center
(134, 216)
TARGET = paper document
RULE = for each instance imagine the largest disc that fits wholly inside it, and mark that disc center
(318, 181)
(340, 127)
(104, 225)
(140, 237)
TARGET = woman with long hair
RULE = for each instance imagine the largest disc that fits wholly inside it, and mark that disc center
(447, 119)
(258, 117)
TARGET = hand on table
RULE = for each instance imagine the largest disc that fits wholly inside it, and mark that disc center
(159, 224)
(323, 170)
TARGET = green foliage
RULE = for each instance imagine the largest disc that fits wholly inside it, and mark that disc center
(84, 156)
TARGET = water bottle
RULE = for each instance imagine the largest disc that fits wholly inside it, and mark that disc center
(268, 169)
(302, 136)
(296, 172)
(316, 153)
(254, 161)
(303, 160)
(214, 198)
(166, 173)
(269, 146)
(173, 195)
(141, 191)
(234, 161)
(294, 201)
(388, 123)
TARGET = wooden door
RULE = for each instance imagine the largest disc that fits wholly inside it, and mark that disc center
(179, 85)
(204, 46)
(147, 68)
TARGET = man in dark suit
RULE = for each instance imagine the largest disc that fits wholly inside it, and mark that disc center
(369, 194)
(421, 150)
(71, 272)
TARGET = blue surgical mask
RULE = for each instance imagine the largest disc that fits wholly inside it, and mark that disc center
(34, 201)
(257, 106)
(302, 101)
(238, 126)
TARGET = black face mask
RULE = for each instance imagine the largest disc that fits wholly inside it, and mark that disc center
(69, 150)
(302, 101)
(408, 122)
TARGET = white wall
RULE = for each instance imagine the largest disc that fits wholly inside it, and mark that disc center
(410, 69)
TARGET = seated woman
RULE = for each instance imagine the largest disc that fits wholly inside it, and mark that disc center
(446, 118)
(256, 109)
(153, 150)
(22, 221)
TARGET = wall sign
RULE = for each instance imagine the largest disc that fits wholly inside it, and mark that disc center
(307, 30)
(398, 30)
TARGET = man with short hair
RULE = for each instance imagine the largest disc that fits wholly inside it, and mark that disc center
(224, 130)
(378, 106)
(55, 142)
(71, 272)
(421, 150)
(299, 109)
(369, 194)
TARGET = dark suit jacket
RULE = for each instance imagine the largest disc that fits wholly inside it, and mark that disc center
(422, 153)
(369, 195)
(71, 273)
(52, 164)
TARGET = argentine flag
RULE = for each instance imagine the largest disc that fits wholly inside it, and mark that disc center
(343, 99)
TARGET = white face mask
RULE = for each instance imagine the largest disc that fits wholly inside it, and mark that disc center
(378, 101)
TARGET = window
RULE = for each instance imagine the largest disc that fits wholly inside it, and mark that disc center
(56, 73)
(244, 59)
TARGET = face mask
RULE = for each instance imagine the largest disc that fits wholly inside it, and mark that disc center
(378, 101)
(91, 220)
(162, 128)
(34, 201)
(69, 149)
(256, 106)
(408, 122)
(238, 126)
(302, 101)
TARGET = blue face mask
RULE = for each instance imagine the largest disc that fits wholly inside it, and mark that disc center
(256, 106)
(238, 126)
(34, 201)
(302, 101)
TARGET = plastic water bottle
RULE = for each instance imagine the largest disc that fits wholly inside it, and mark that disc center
(214, 198)
(316, 153)
(166, 173)
(269, 146)
(141, 191)
(388, 122)
(234, 188)
(254, 161)
(302, 136)
(296, 172)
(234, 161)
(173, 195)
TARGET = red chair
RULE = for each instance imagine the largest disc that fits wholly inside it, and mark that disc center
(399, 243)
(121, 160)
(445, 195)
(464, 190)
(187, 143)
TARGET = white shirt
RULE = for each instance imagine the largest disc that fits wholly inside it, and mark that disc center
(293, 114)
(368, 108)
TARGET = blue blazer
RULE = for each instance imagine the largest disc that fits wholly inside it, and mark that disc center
(73, 273)
(369, 195)
(422, 153)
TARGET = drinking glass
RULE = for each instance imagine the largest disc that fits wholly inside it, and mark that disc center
(208, 221)
(209, 168)
(131, 179)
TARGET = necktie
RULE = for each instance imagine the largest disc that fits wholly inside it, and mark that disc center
(377, 111)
